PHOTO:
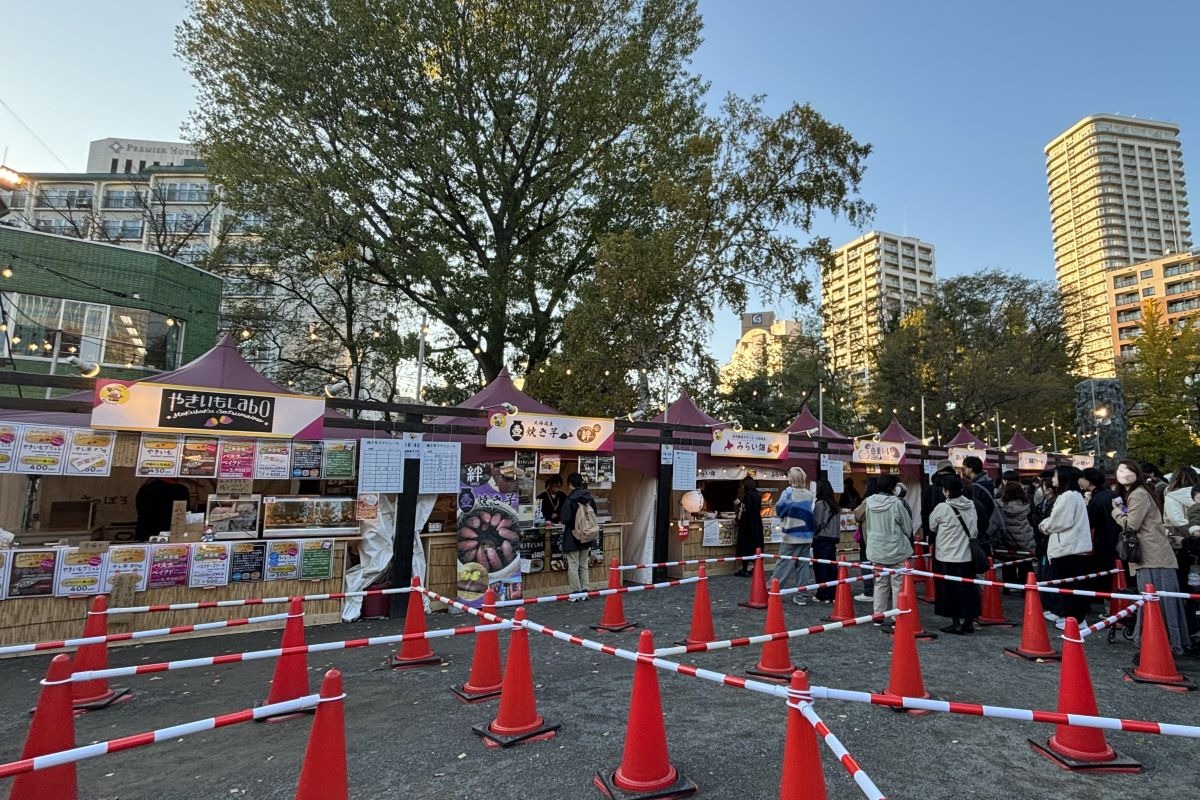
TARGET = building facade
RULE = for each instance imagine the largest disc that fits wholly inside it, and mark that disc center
(1117, 198)
(760, 348)
(873, 276)
(135, 155)
(1173, 281)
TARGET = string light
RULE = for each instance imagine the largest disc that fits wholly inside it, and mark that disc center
(7, 272)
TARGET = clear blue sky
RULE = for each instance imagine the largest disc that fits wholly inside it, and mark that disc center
(957, 98)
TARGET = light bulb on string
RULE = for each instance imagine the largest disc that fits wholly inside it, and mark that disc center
(170, 322)
(7, 272)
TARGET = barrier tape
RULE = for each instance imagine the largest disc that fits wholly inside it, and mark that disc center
(1053, 589)
(771, 637)
(147, 634)
(688, 562)
(881, 573)
(152, 737)
(1112, 620)
(255, 601)
(554, 598)
(803, 704)
(255, 655)
(1012, 563)
(1075, 578)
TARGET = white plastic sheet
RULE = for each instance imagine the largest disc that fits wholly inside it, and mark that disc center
(375, 551)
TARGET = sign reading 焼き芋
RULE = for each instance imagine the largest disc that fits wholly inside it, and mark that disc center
(872, 452)
(550, 432)
(748, 444)
(164, 408)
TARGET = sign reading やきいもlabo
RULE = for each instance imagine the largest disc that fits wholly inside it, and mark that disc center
(550, 432)
(164, 408)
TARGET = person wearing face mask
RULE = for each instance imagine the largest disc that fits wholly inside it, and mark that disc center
(1069, 539)
(1136, 510)
(955, 522)
(887, 528)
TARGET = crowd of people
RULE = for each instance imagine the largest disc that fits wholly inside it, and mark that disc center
(1075, 522)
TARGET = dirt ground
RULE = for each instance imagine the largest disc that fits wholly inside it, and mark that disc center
(409, 737)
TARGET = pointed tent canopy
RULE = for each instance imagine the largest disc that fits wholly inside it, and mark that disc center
(1019, 444)
(500, 390)
(806, 421)
(684, 411)
(895, 432)
(964, 437)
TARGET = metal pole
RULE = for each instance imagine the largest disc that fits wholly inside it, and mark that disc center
(922, 419)
(821, 407)
(421, 354)
(54, 360)
(1095, 419)
(1054, 433)
(997, 429)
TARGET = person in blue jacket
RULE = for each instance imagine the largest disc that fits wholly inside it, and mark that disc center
(795, 511)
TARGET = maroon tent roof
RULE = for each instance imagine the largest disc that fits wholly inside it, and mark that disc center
(1019, 444)
(684, 411)
(501, 390)
(895, 432)
(806, 421)
(964, 437)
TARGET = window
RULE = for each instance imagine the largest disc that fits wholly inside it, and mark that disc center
(65, 198)
(246, 222)
(1183, 305)
(14, 199)
(1126, 298)
(185, 192)
(1148, 291)
(183, 222)
(61, 227)
(193, 253)
(1129, 316)
(124, 198)
(1147, 273)
(1124, 280)
(117, 229)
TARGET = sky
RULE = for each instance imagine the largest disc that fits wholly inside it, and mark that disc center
(956, 98)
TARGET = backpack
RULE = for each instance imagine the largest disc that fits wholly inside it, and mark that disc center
(994, 533)
(587, 526)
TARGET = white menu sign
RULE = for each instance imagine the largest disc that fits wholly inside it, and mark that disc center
(123, 559)
(159, 454)
(273, 460)
(441, 464)
(210, 565)
(91, 452)
(381, 466)
(683, 479)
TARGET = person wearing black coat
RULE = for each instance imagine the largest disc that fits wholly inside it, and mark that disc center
(750, 526)
(933, 495)
(577, 554)
(1105, 531)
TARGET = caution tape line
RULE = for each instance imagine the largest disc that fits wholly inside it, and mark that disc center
(771, 637)
(856, 772)
(1075, 578)
(1113, 619)
(554, 598)
(255, 601)
(686, 563)
(880, 573)
(133, 635)
(1012, 563)
(75, 754)
(1052, 589)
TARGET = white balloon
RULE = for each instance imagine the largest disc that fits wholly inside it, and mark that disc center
(692, 502)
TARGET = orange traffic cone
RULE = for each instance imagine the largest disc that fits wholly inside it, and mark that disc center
(485, 680)
(1156, 664)
(843, 600)
(1071, 747)
(1035, 644)
(775, 663)
(517, 720)
(702, 621)
(52, 730)
(613, 619)
(646, 770)
(758, 584)
(930, 594)
(905, 679)
(94, 695)
(909, 588)
(803, 778)
(323, 776)
(991, 613)
(1120, 586)
(415, 652)
(291, 671)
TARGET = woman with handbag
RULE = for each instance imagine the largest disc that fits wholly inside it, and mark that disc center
(1145, 545)
(1070, 540)
(750, 525)
(956, 527)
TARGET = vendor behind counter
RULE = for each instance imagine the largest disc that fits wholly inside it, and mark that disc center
(154, 502)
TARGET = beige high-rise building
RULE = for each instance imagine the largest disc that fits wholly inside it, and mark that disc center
(1117, 198)
(760, 349)
(874, 275)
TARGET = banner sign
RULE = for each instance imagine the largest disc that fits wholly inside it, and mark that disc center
(748, 444)
(163, 408)
(43, 451)
(1031, 461)
(489, 532)
(957, 454)
(872, 452)
(1083, 462)
(550, 432)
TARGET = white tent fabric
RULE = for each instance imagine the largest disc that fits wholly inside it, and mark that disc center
(635, 505)
(375, 552)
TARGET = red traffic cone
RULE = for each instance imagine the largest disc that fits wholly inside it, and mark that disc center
(52, 730)
(517, 720)
(758, 584)
(909, 588)
(843, 600)
(291, 670)
(1035, 644)
(702, 621)
(775, 663)
(415, 652)
(803, 778)
(991, 613)
(613, 619)
(646, 770)
(905, 679)
(930, 594)
(1120, 586)
(485, 680)
(323, 776)
(94, 695)
(1071, 747)
(1156, 664)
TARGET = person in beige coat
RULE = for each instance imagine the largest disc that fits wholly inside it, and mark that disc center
(1135, 509)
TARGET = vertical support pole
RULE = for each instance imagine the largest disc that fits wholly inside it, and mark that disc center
(405, 532)
(662, 509)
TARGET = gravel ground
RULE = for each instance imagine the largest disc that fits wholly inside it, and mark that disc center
(409, 737)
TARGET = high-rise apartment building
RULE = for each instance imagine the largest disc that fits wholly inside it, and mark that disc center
(1117, 198)
(761, 348)
(873, 276)
(1171, 281)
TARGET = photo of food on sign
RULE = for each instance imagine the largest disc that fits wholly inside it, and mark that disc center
(489, 539)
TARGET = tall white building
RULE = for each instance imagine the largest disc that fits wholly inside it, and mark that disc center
(1117, 197)
(135, 155)
(873, 276)
(761, 347)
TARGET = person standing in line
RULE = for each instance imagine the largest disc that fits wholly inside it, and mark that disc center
(1177, 499)
(827, 533)
(955, 523)
(1135, 510)
(750, 526)
(983, 492)
(867, 593)
(795, 511)
(552, 500)
(933, 496)
(1070, 539)
(887, 527)
(1105, 532)
(576, 553)
(1018, 533)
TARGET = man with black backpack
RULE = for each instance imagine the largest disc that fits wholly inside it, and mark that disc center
(983, 492)
(580, 529)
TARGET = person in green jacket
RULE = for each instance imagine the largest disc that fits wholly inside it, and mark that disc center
(888, 529)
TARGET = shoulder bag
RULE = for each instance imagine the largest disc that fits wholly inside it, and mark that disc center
(979, 559)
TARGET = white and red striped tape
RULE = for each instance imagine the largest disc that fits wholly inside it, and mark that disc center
(255, 601)
(1074, 578)
(1052, 589)
(686, 563)
(802, 702)
(1113, 619)
(763, 638)
(555, 598)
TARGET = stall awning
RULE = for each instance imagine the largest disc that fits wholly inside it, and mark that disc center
(964, 437)
(1019, 444)
(895, 432)
(501, 390)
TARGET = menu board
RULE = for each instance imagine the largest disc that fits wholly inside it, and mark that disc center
(683, 477)
(43, 451)
(367, 507)
(79, 574)
(273, 460)
(549, 463)
(306, 459)
(236, 459)
(247, 561)
(316, 559)
(199, 457)
(381, 468)
(283, 560)
(9, 436)
(210, 565)
(127, 559)
(159, 455)
(169, 565)
(32, 573)
(90, 452)
(339, 459)
(533, 550)
(441, 466)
